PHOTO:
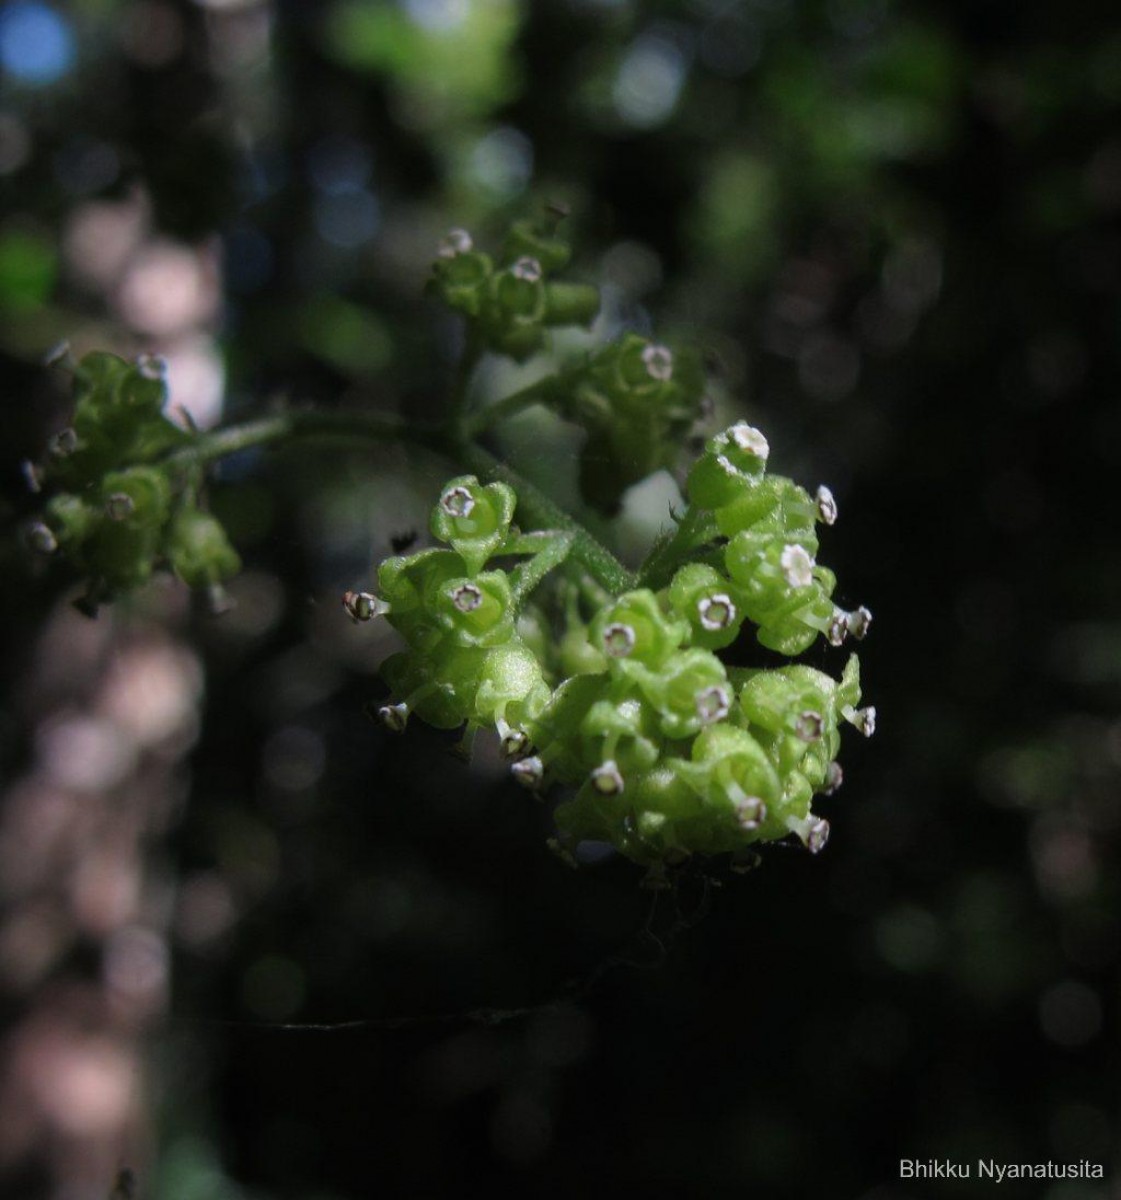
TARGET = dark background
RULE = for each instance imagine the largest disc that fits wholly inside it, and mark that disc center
(892, 228)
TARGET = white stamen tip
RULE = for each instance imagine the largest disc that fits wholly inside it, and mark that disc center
(119, 506)
(514, 744)
(457, 502)
(152, 366)
(834, 777)
(809, 725)
(57, 355)
(716, 612)
(658, 361)
(813, 832)
(607, 779)
(859, 622)
(838, 628)
(526, 268)
(467, 597)
(797, 566)
(864, 719)
(618, 640)
(63, 444)
(826, 506)
(750, 811)
(529, 771)
(713, 704)
(41, 539)
(750, 440)
(394, 716)
(362, 606)
(454, 242)
(817, 835)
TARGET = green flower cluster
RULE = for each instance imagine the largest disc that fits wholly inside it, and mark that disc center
(466, 661)
(671, 752)
(119, 509)
(767, 570)
(512, 303)
(636, 399)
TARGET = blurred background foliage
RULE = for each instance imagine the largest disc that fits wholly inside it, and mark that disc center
(892, 227)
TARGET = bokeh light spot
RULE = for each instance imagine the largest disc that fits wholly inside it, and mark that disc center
(36, 43)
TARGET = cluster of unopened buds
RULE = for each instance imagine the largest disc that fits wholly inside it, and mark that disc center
(671, 752)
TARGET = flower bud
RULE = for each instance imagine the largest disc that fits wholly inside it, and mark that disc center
(526, 239)
(571, 304)
(732, 463)
(199, 550)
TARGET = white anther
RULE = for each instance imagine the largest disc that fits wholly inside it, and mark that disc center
(809, 725)
(31, 476)
(658, 361)
(119, 506)
(716, 612)
(826, 506)
(467, 597)
(457, 502)
(362, 606)
(529, 772)
(838, 628)
(152, 366)
(750, 440)
(607, 778)
(618, 640)
(797, 566)
(526, 268)
(859, 622)
(513, 742)
(394, 716)
(750, 811)
(57, 355)
(834, 777)
(40, 538)
(63, 444)
(713, 704)
(864, 720)
(813, 832)
(455, 241)
(817, 835)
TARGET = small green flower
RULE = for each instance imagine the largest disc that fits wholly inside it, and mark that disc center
(473, 518)
(707, 600)
(732, 464)
(634, 629)
(139, 497)
(198, 549)
(689, 691)
(474, 612)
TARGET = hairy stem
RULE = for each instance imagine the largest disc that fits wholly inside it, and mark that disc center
(525, 577)
(694, 529)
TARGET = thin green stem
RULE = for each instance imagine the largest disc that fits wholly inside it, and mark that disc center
(554, 549)
(347, 426)
(536, 509)
(509, 406)
(694, 529)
